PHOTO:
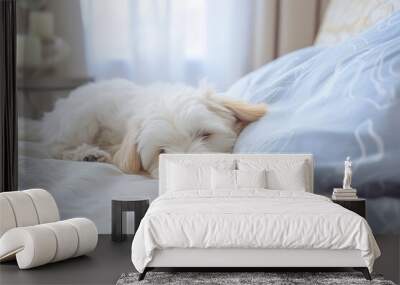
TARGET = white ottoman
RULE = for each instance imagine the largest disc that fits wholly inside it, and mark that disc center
(31, 232)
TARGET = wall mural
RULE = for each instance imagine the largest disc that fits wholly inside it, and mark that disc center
(89, 144)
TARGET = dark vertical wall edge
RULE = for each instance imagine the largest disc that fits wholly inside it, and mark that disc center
(8, 104)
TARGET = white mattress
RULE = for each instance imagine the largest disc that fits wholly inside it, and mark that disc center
(81, 189)
(254, 218)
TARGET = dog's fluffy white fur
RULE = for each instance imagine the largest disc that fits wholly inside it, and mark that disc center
(119, 122)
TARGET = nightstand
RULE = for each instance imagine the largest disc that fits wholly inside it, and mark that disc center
(119, 205)
(355, 205)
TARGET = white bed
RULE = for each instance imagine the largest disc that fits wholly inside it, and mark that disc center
(81, 189)
(250, 227)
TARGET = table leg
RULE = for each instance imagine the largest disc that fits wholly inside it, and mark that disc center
(116, 217)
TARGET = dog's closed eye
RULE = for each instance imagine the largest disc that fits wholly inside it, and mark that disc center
(205, 135)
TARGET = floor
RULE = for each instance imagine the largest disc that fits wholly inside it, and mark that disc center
(103, 266)
(389, 262)
(110, 260)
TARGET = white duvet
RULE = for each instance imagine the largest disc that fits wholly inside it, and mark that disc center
(80, 188)
(250, 219)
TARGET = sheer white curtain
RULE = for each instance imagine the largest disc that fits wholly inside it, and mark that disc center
(188, 40)
(169, 40)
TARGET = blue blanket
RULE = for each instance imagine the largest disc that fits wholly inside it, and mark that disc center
(335, 102)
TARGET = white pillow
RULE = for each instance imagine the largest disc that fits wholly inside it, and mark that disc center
(281, 174)
(223, 179)
(184, 177)
(236, 179)
(251, 178)
(188, 174)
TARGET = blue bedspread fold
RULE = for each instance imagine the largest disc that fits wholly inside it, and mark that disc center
(335, 102)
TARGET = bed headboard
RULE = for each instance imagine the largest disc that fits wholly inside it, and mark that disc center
(165, 159)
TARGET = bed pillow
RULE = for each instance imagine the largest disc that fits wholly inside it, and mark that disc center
(184, 177)
(333, 102)
(225, 179)
(280, 175)
(188, 174)
(251, 179)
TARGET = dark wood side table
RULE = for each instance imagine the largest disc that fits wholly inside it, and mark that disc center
(138, 206)
(355, 205)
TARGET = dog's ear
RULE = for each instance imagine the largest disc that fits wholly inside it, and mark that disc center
(244, 112)
(127, 157)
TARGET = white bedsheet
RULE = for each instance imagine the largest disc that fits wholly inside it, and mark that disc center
(84, 189)
(250, 219)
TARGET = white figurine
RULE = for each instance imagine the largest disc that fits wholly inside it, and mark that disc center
(347, 174)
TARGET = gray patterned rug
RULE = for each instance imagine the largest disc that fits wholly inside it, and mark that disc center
(231, 278)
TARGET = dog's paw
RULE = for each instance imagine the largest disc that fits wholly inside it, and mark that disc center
(90, 157)
(87, 153)
(98, 156)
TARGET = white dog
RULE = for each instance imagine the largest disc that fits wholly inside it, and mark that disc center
(119, 122)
